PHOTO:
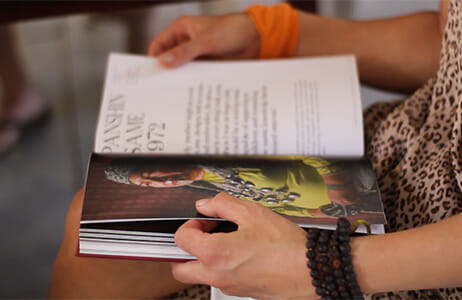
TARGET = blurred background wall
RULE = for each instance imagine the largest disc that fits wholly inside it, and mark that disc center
(373, 9)
(65, 58)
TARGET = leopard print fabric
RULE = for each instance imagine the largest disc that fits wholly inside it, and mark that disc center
(416, 146)
(416, 149)
(196, 292)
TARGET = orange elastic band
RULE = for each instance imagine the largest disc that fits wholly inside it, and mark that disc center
(278, 26)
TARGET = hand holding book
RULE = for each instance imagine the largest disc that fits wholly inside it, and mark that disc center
(229, 37)
(244, 262)
(138, 194)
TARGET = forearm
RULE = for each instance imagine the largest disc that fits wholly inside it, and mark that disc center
(397, 53)
(423, 258)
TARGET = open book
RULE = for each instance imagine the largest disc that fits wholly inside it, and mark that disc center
(285, 133)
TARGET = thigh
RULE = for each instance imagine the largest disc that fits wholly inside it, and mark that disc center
(81, 277)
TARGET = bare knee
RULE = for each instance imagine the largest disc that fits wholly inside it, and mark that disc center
(81, 277)
(75, 211)
(72, 225)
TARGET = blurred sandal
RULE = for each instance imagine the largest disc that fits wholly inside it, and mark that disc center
(9, 136)
(29, 110)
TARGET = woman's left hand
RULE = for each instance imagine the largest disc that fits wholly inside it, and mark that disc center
(264, 258)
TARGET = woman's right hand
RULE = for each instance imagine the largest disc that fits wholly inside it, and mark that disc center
(223, 37)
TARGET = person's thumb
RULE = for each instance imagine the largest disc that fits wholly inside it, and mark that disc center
(186, 52)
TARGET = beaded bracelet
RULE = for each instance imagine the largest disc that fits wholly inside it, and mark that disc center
(330, 261)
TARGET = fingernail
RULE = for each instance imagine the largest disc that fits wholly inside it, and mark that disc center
(167, 58)
(202, 202)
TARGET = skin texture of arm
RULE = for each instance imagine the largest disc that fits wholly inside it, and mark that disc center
(396, 54)
(422, 258)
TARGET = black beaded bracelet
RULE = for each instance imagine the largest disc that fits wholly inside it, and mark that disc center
(330, 261)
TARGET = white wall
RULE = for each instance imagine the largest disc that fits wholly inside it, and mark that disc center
(371, 9)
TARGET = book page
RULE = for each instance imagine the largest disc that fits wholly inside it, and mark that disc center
(307, 106)
(216, 294)
(136, 188)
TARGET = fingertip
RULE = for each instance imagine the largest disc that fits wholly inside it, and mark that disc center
(167, 60)
(202, 202)
(175, 266)
(189, 228)
(176, 271)
(226, 206)
(182, 54)
(203, 206)
(153, 48)
(188, 272)
(149, 51)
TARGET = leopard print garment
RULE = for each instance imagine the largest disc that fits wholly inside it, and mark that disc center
(416, 149)
(196, 292)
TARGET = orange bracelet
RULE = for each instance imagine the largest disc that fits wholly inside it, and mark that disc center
(278, 26)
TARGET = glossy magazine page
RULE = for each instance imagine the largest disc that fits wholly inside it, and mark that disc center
(308, 191)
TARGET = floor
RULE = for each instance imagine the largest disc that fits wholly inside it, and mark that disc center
(66, 59)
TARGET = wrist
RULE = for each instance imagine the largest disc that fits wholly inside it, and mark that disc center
(252, 36)
(301, 274)
(278, 28)
(330, 262)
